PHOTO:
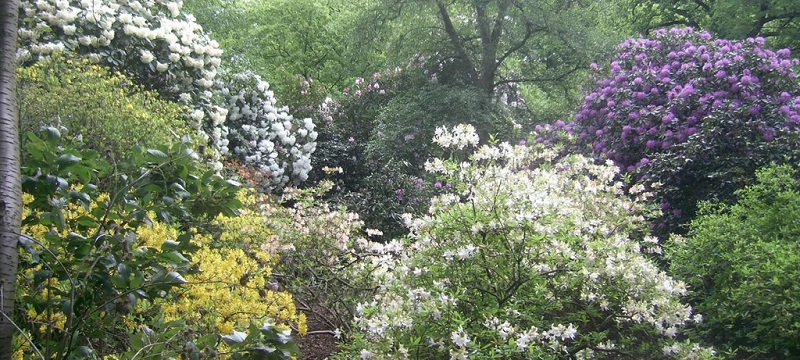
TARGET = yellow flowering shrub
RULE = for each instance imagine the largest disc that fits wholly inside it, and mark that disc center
(106, 108)
(44, 301)
(232, 286)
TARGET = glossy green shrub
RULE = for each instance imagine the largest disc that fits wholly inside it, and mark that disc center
(379, 134)
(741, 264)
(103, 108)
(112, 252)
(406, 124)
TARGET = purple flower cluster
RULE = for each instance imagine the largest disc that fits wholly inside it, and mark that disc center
(658, 93)
(696, 114)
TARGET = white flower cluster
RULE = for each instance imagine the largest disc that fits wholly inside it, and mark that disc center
(165, 48)
(265, 136)
(461, 137)
(544, 250)
(119, 33)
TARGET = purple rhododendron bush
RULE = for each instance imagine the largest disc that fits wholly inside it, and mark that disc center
(531, 256)
(696, 114)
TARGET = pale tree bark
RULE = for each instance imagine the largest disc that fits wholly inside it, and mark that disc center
(10, 184)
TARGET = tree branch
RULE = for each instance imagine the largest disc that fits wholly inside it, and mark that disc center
(529, 31)
(560, 77)
(703, 5)
(454, 38)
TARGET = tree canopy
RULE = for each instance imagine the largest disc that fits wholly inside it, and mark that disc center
(778, 20)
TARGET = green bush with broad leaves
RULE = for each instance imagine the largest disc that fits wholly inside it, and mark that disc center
(741, 263)
(406, 124)
(106, 243)
(379, 134)
(103, 108)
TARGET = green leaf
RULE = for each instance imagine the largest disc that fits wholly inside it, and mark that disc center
(156, 155)
(169, 244)
(237, 337)
(180, 191)
(88, 222)
(177, 277)
(136, 280)
(174, 257)
(166, 216)
(67, 160)
(137, 341)
(124, 271)
(52, 134)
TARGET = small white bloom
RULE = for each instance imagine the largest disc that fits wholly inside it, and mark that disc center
(146, 57)
(125, 18)
(523, 341)
(197, 115)
(69, 29)
(460, 338)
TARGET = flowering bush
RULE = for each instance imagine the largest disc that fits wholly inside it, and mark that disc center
(346, 127)
(164, 48)
(531, 258)
(740, 263)
(76, 95)
(234, 285)
(697, 114)
(326, 258)
(265, 136)
(113, 263)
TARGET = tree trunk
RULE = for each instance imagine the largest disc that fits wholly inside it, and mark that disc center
(10, 184)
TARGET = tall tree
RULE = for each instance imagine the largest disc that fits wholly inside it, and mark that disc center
(777, 20)
(10, 185)
(280, 39)
(498, 42)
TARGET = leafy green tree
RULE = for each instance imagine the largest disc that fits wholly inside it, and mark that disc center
(778, 20)
(491, 44)
(379, 135)
(741, 265)
(10, 190)
(281, 39)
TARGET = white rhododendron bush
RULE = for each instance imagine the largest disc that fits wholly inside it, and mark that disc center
(530, 257)
(163, 48)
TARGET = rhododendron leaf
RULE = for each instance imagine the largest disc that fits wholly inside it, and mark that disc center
(236, 338)
(136, 281)
(67, 160)
(169, 243)
(174, 257)
(177, 277)
(156, 155)
(124, 272)
(137, 341)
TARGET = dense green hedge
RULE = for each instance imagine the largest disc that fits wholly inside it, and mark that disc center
(742, 262)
